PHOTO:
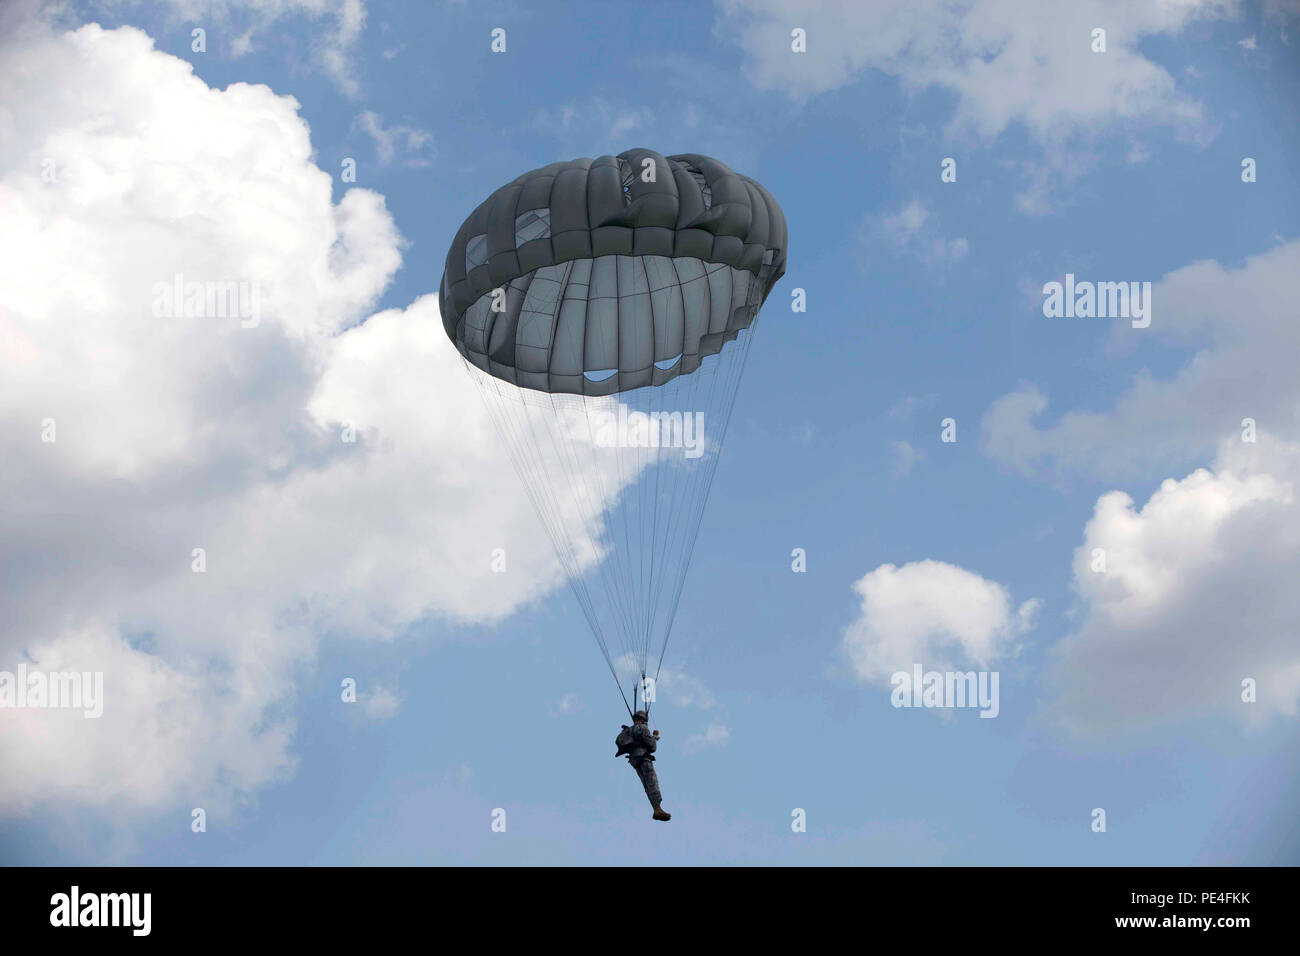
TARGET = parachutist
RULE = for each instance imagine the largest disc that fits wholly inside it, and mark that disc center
(638, 744)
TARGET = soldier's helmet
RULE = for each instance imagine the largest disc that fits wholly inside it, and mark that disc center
(642, 716)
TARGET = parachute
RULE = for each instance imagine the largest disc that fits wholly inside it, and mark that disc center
(605, 308)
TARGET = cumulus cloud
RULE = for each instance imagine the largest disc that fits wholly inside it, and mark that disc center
(194, 513)
(160, 732)
(1240, 325)
(934, 614)
(1187, 596)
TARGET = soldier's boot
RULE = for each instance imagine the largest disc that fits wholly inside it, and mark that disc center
(660, 814)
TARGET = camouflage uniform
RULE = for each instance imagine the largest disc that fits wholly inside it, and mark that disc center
(639, 744)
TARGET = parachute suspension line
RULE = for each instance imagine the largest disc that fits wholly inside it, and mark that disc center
(655, 553)
(681, 503)
(623, 695)
(520, 431)
(714, 372)
(511, 410)
(675, 499)
(619, 590)
(617, 559)
(592, 504)
(578, 478)
(509, 414)
(727, 394)
(650, 554)
(627, 571)
(647, 555)
(636, 494)
(623, 593)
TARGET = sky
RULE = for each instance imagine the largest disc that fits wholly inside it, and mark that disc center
(1100, 510)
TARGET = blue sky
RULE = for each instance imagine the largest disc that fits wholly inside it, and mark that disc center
(1119, 690)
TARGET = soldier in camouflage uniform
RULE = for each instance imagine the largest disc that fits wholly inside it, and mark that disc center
(638, 743)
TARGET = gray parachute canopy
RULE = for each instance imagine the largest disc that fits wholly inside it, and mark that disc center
(611, 274)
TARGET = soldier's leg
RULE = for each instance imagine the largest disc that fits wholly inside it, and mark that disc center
(645, 769)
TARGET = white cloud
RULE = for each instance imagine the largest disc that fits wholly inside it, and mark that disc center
(934, 614)
(1043, 175)
(1198, 592)
(905, 458)
(569, 703)
(1240, 325)
(625, 123)
(392, 140)
(182, 433)
(716, 734)
(1007, 62)
(674, 686)
(597, 125)
(951, 249)
(682, 690)
(904, 225)
(379, 702)
(908, 406)
(912, 228)
(334, 47)
(160, 733)
(1281, 15)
